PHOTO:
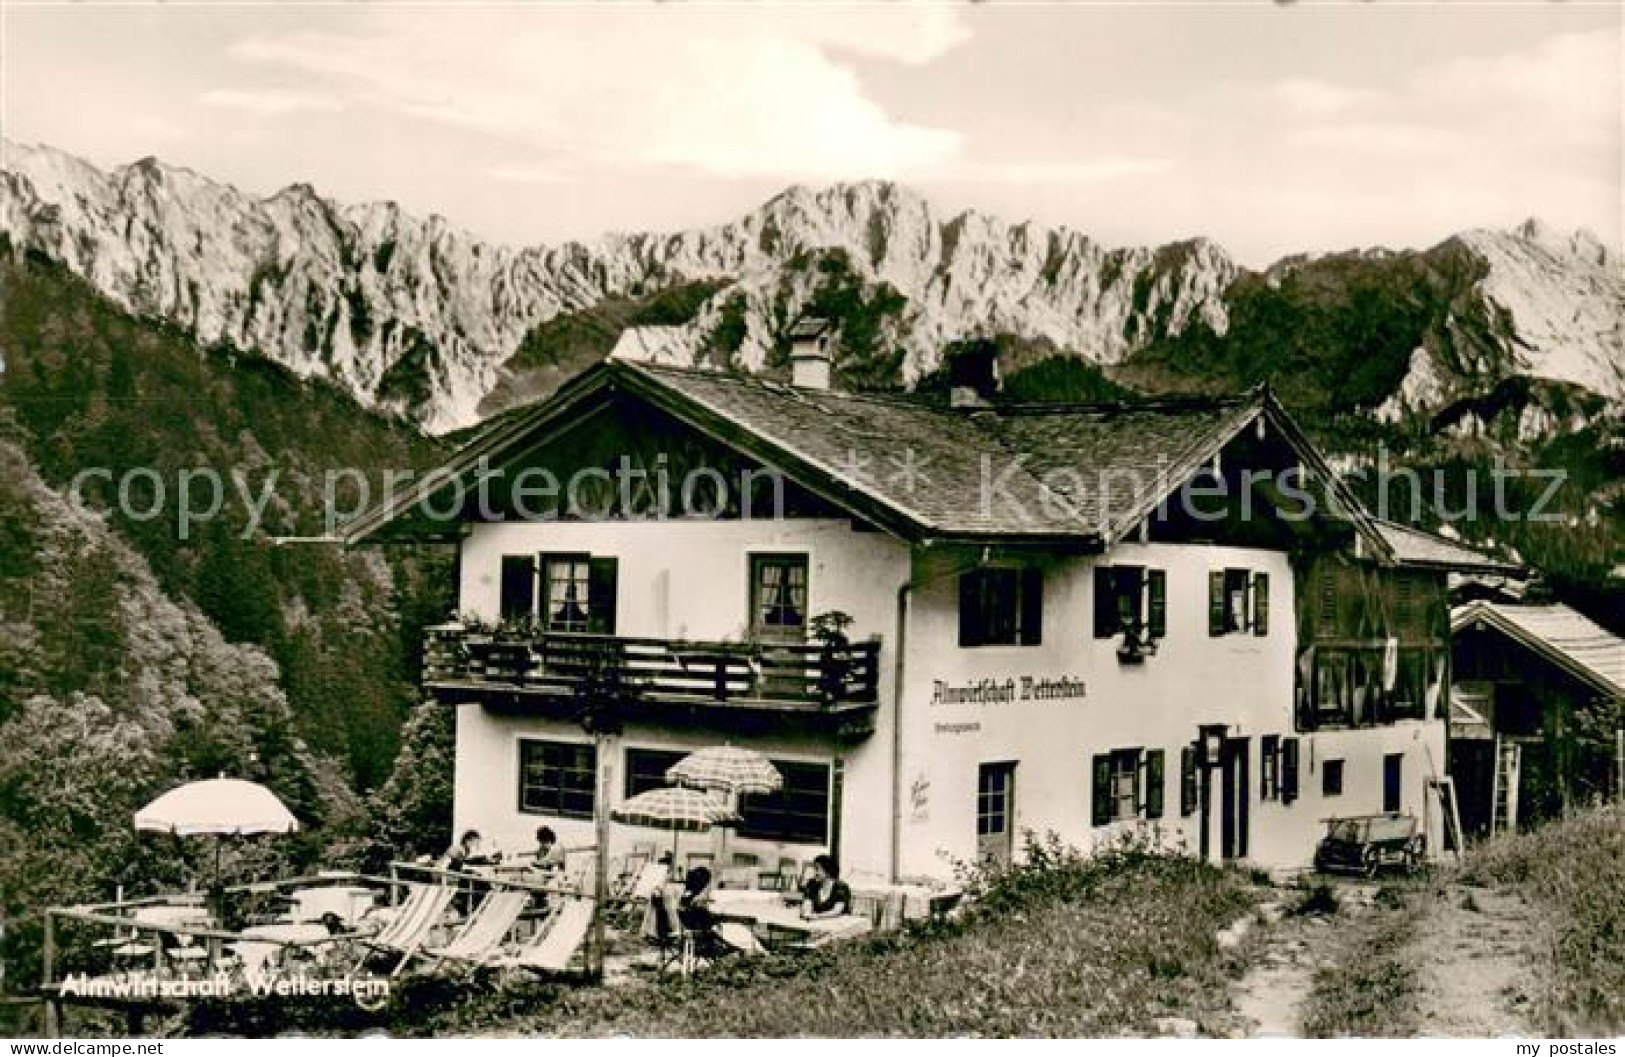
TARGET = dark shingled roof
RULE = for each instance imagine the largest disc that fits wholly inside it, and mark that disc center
(924, 470)
(1413, 546)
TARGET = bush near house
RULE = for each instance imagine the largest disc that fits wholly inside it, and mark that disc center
(1573, 873)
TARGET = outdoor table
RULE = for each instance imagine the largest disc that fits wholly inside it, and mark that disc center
(349, 902)
(768, 908)
(254, 955)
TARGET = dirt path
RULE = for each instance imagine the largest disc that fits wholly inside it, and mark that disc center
(1477, 949)
(1472, 952)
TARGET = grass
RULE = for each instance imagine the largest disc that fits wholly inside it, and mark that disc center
(1370, 988)
(1573, 873)
(1061, 946)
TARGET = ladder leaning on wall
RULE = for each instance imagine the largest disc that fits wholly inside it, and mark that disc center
(1504, 787)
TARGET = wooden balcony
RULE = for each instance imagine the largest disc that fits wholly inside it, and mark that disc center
(545, 670)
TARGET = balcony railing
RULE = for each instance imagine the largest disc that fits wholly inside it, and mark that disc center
(785, 676)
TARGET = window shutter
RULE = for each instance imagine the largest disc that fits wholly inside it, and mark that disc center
(601, 580)
(1102, 802)
(1261, 603)
(1105, 601)
(970, 609)
(1157, 590)
(518, 600)
(1154, 781)
(1187, 780)
(1215, 602)
(1328, 599)
(1032, 607)
(1289, 770)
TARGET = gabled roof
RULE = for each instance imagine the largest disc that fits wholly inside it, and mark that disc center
(924, 471)
(1413, 546)
(1561, 635)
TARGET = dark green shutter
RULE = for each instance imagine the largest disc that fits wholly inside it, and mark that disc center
(1105, 602)
(1032, 607)
(518, 599)
(601, 579)
(971, 620)
(1215, 602)
(1157, 588)
(1261, 603)
(1102, 803)
(1289, 770)
(1187, 780)
(1154, 782)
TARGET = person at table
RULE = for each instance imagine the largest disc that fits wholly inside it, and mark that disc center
(825, 895)
(549, 854)
(469, 851)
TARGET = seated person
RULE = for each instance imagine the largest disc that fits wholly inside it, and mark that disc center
(549, 854)
(469, 850)
(825, 895)
(694, 904)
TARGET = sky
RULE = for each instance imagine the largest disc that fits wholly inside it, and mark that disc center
(1272, 127)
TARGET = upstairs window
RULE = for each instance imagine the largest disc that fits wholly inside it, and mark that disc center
(578, 593)
(1130, 598)
(1001, 607)
(779, 589)
(1238, 602)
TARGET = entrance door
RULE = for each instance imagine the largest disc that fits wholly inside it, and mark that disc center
(1233, 799)
(995, 812)
(1393, 768)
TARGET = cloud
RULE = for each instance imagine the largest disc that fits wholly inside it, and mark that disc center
(1083, 171)
(729, 91)
(271, 103)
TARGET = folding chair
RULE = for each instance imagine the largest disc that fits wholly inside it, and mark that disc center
(480, 939)
(551, 951)
(409, 930)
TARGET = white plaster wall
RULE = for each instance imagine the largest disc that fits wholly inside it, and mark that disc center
(690, 580)
(1240, 680)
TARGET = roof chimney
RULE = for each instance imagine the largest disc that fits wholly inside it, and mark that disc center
(973, 373)
(810, 353)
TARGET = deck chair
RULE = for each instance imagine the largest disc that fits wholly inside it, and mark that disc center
(551, 951)
(479, 941)
(409, 930)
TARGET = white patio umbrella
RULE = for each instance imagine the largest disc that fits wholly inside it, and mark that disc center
(217, 807)
(221, 807)
(676, 808)
(726, 769)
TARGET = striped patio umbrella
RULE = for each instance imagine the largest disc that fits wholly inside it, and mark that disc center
(676, 808)
(726, 769)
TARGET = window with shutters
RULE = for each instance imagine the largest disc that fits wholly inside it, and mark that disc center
(1130, 598)
(1001, 607)
(1128, 784)
(1238, 602)
(578, 593)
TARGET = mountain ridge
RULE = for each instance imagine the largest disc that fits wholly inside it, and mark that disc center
(417, 316)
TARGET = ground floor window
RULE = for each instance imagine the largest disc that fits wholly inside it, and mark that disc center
(646, 769)
(1127, 785)
(798, 813)
(1331, 778)
(557, 778)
